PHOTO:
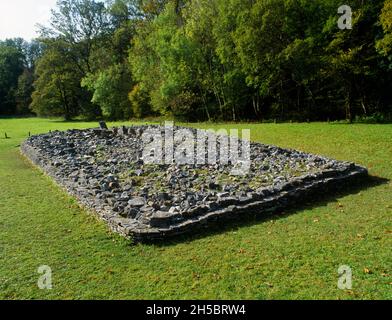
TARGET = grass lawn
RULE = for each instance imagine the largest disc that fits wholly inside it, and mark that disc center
(295, 255)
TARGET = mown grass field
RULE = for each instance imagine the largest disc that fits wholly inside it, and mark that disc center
(295, 255)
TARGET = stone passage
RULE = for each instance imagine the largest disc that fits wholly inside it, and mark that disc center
(105, 170)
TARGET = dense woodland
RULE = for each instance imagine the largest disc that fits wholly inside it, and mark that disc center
(197, 60)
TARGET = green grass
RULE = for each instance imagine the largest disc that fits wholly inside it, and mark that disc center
(292, 256)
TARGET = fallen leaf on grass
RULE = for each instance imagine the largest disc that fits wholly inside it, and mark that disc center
(367, 271)
(249, 268)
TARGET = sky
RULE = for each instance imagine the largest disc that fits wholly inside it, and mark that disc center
(18, 18)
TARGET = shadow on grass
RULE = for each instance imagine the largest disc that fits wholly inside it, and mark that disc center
(109, 123)
(75, 121)
(360, 123)
(250, 220)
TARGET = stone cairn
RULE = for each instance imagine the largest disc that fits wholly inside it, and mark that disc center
(105, 170)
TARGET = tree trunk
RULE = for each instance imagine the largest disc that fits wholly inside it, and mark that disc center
(256, 105)
(349, 115)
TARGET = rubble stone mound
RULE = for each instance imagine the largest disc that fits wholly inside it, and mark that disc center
(105, 170)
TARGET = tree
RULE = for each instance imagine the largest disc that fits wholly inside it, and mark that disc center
(77, 31)
(111, 81)
(140, 103)
(57, 86)
(24, 92)
(110, 91)
(384, 46)
(213, 60)
(11, 67)
(80, 24)
(353, 60)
